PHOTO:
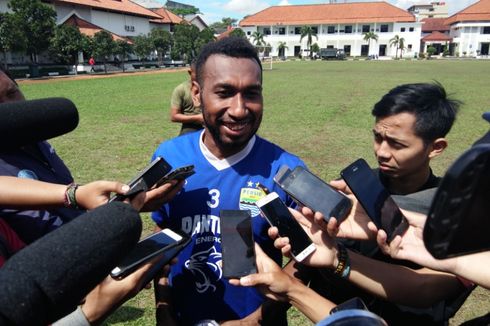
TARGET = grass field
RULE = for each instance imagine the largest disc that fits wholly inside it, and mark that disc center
(317, 110)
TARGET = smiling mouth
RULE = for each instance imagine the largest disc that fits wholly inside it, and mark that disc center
(236, 126)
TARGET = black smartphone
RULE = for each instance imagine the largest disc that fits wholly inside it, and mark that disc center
(237, 243)
(309, 190)
(148, 248)
(180, 174)
(458, 221)
(146, 179)
(278, 215)
(374, 198)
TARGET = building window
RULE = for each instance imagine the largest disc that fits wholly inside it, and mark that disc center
(297, 30)
(331, 30)
(383, 28)
(282, 30)
(315, 29)
(486, 30)
(409, 47)
(348, 29)
(411, 29)
(347, 50)
(267, 31)
(249, 33)
(402, 29)
(365, 28)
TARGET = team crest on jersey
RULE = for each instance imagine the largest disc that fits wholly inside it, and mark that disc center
(249, 196)
(206, 267)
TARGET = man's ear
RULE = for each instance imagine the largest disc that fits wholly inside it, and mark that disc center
(196, 93)
(438, 146)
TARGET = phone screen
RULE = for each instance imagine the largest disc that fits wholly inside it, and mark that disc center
(145, 250)
(311, 191)
(278, 215)
(374, 198)
(237, 243)
(147, 178)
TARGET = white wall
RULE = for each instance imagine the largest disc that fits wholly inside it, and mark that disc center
(468, 37)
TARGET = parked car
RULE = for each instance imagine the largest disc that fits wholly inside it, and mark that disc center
(332, 54)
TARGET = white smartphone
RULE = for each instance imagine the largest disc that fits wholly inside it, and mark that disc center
(146, 249)
(278, 215)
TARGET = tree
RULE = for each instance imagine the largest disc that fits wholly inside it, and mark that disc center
(222, 26)
(36, 21)
(11, 38)
(104, 46)
(370, 36)
(162, 42)
(309, 33)
(205, 36)
(142, 46)
(66, 43)
(401, 46)
(258, 38)
(315, 48)
(186, 41)
(396, 41)
(281, 49)
(238, 32)
(123, 49)
(185, 11)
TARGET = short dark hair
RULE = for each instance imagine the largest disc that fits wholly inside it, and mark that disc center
(434, 111)
(231, 46)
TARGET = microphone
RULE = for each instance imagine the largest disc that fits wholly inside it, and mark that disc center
(27, 122)
(48, 279)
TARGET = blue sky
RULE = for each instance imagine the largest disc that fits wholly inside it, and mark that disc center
(214, 10)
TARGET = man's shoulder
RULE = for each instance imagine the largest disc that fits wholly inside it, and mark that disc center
(267, 147)
(180, 143)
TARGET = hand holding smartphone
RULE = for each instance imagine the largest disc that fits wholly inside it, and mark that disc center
(146, 249)
(309, 190)
(237, 243)
(278, 215)
(374, 198)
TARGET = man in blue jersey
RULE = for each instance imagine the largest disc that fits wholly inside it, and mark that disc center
(230, 162)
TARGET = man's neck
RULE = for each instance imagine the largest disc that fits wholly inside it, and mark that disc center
(410, 183)
(220, 152)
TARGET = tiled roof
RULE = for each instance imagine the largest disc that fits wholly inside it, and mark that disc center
(360, 12)
(90, 29)
(434, 24)
(166, 17)
(437, 36)
(122, 6)
(479, 11)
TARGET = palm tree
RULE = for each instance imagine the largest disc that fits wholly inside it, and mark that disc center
(397, 41)
(258, 38)
(281, 48)
(401, 46)
(368, 36)
(309, 33)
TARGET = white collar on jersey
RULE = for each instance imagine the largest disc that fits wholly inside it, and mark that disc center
(221, 164)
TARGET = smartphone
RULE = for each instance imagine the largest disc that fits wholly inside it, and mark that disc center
(374, 198)
(458, 221)
(237, 243)
(278, 215)
(146, 249)
(146, 179)
(180, 174)
(309, 190)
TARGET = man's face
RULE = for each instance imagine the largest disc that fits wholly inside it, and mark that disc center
(230, 96)
(399, 151)
(9, 91)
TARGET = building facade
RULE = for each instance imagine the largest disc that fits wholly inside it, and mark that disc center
(470, 30)
(340, 25)
(434, 9)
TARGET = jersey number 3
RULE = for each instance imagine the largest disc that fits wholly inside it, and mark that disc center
(214, 202)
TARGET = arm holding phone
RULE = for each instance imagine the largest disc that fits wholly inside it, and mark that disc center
(421, 288)
(410, 246)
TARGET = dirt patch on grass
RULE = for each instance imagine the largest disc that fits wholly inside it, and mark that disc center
(51, 79)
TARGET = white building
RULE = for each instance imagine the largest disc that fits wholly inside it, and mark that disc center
(339, 26)
(470, 30)
(434, 9)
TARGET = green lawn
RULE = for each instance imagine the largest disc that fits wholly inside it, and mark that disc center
(317, 110)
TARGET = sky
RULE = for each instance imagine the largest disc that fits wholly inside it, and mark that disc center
(215, 10)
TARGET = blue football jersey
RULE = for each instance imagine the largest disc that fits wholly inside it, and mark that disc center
(198, 289)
